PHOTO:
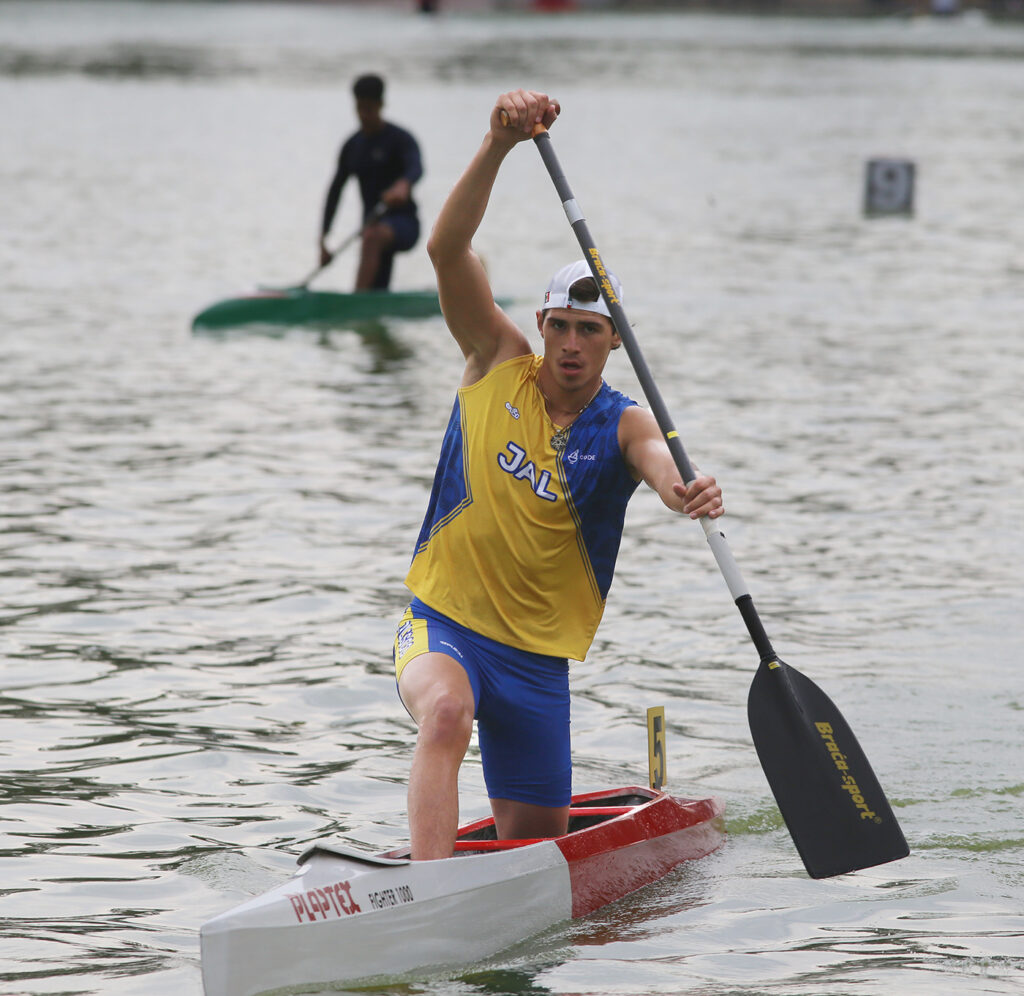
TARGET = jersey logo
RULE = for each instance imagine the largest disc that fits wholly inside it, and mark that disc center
(575, 457)
(526, 470)
(514, 412)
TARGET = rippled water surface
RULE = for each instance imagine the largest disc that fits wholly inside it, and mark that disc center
(203, 539)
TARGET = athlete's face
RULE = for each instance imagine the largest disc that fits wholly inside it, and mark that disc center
(576, 344)
(368, 112)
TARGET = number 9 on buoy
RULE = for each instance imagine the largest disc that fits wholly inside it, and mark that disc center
(889, 187)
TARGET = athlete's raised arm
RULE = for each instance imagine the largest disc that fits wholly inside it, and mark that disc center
(485, 334)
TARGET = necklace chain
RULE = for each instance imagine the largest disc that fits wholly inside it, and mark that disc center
(561, 435)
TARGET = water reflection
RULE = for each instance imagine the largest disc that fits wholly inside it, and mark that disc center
(122, 62)
(382, 339)
(505, 982)
(386, 348)
(493, 982)
(464, 48)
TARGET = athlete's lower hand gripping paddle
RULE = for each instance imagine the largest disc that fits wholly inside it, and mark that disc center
(836, 811)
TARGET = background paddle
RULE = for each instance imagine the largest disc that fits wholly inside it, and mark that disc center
(836, 811)
(377, 212)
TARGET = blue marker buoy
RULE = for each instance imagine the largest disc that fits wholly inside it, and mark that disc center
(889, 187)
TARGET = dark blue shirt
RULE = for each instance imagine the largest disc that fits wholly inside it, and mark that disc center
(377, 161)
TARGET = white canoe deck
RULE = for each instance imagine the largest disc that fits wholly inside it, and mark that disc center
(347, 916)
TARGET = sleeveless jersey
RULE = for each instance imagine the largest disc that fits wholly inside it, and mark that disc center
(519, 542)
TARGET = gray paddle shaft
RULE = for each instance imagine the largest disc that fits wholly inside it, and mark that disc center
(834, 808)
(715, 536)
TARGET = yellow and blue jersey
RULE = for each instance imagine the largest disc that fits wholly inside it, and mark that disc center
(519, 541)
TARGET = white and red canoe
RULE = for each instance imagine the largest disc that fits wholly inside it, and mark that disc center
(347, 916)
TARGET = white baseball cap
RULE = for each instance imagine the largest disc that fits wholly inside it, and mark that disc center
(557, 295)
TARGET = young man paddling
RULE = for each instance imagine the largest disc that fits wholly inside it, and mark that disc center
(386, 161)
(517, 550)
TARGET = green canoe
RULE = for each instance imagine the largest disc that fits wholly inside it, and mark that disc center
(299, 306)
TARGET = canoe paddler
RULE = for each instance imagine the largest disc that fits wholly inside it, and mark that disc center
(386, 161)
(516, 553)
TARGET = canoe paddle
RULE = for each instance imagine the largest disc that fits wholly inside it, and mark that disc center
(378, 211)
(836, 811)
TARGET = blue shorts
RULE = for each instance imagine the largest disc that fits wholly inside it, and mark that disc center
(522, 706)
(406, 228)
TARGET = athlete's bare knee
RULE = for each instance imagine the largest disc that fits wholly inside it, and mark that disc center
(448, 720)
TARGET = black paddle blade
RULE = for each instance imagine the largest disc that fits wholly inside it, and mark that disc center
(829, 797)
